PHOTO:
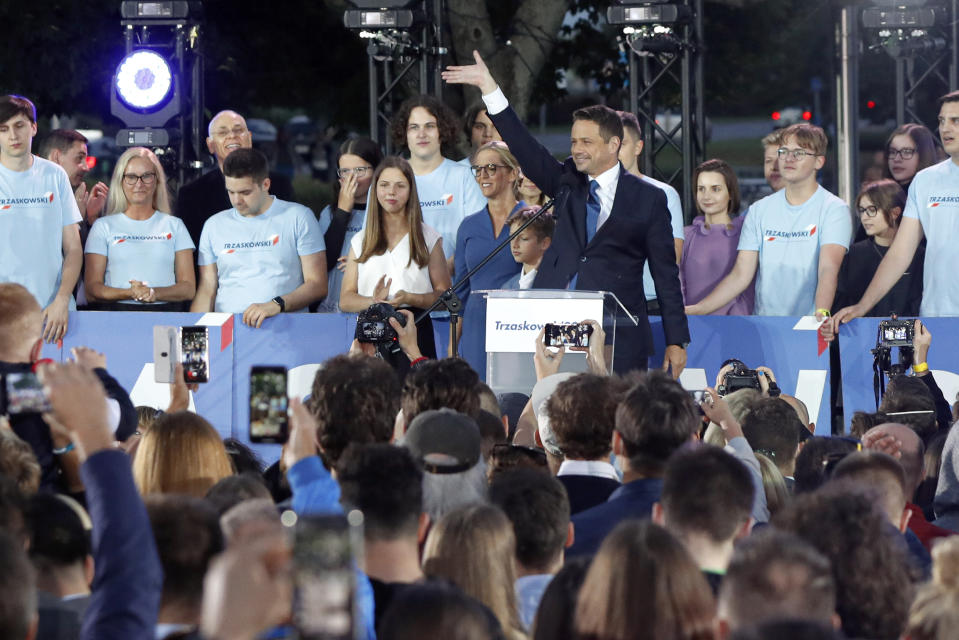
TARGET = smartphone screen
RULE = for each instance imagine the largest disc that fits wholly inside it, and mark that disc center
(568, 335)
(324, 601)
(25, 394)
(195, 354)
(268, 404)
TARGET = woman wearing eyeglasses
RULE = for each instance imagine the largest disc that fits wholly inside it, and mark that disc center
(879, 206)
(910, 149)
(139, 258)
(358, 158)
(496, 172)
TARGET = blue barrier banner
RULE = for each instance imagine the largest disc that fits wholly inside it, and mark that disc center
(858, 338)
(788, 346)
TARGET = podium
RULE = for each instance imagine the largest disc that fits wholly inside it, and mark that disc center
(514, 319)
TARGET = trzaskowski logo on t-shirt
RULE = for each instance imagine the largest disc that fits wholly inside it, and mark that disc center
(791, 235)
(942, 201)
(445, 200)
(251, 245)
(121, 238)
(26, 201)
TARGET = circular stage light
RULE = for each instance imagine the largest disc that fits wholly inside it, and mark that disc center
(143, 79)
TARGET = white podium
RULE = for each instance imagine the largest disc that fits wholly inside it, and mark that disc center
(514, 319)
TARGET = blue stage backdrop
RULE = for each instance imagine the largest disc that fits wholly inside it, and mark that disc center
(301, 342)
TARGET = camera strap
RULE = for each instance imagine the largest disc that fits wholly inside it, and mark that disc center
(878, 379)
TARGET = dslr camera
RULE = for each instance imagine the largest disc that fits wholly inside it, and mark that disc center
(373, 324)
(895, 333)
(740, 377)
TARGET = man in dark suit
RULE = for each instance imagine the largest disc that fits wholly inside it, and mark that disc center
(206, 195)
(608, 222)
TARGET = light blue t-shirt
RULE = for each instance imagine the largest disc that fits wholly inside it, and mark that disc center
(788, 239)
(448, 194)
(331, 303)
(258, 258)
(139, 249)
(35, 206)
(676, 222)
(934, 201)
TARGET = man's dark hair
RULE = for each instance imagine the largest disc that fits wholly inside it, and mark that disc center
(437, 609)
(491, 431)
(188, 536)
(707, 490)
(952, 96)
(13, 509)
(582, 412)
(656, 418)
(909, 393)
(386, 484)
(555, 617)
(354, 400)
(818, 458)
(243, 458)
(12, 106)
(247, 163)
(538, 507)
(18, 590)
(631, 122)
(446, 120)
(469, 118)
(449, 383)
(608, 120)
(772, 429)
(232, 490)
(870, 564)
(788, 630)
(57, 536)
(775, 574)
(61, 140)
(862, 464)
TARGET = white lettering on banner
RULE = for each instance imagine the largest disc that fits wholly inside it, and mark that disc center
(150, 393)
(948, 382)
(299, 380)
(810, 387)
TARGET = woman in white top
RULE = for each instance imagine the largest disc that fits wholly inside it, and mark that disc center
(138, 258)
(397, 259)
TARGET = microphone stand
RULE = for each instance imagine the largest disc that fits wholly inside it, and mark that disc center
(452, 302)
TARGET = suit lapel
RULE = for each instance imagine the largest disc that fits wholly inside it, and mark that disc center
(618, 203)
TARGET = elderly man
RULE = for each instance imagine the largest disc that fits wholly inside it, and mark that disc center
(200, 199)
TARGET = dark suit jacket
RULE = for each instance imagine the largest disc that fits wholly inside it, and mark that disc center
(587, 491)
(637, 229)
(205, 196)
(632, 500)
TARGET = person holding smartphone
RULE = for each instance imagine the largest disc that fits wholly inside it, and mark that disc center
(139, 258)
(398, 259)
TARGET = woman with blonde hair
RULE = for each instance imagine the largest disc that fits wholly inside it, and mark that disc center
(398, 259)
(138, 257)
(181, 453)
(474, 548)
(643, 585)
(496, 171)
(934, 614)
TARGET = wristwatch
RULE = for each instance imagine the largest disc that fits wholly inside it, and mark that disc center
(280, 301)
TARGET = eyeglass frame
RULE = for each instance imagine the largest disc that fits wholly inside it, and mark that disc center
(901, 153)
(340, 172)
(131, 179)
(490, 168)
(871, 211)
(797, 154)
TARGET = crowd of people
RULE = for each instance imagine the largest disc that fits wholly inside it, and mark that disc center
(605, 505)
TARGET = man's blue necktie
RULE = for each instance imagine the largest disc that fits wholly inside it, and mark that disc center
(592, 210)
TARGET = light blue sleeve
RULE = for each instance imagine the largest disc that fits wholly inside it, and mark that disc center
(836, 225)
(97, 239)
(207, 254)
(309, 238)
(750, 238)
(675, 206)
(316, 492)
(326, 219)
(181, 237)
(912, 207)
(741, 450)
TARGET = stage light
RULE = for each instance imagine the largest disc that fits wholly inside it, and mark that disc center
(807, 115)
(143, 80)
(654, 12)
(776, 115)
(386, 19)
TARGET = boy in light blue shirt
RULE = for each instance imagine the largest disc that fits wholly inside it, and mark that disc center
(796, 238)
(262, 257)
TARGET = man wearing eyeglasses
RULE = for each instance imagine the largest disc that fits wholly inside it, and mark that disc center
(795, 238)
(39, 238)
(931, 212)
(206, 195)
